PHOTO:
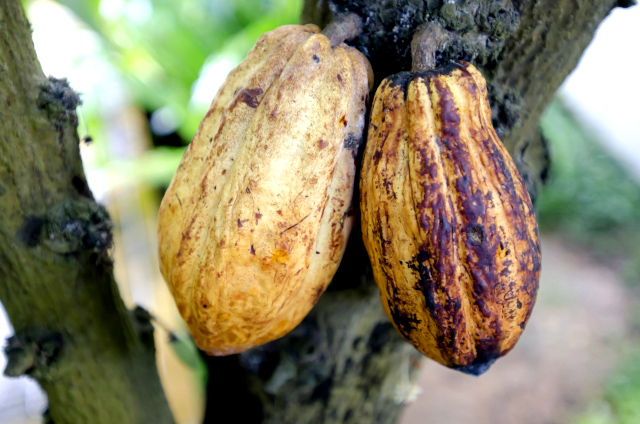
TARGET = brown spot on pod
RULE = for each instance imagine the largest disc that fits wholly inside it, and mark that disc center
(250, 96)
(457, 265)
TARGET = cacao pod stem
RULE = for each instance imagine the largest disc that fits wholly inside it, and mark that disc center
(427, 40)
(342, 28)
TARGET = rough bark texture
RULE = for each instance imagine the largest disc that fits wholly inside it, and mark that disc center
(319, 373)
(72, 331)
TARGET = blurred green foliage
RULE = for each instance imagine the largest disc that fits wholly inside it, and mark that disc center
(161, 45)
(165, 55)
(187, 351)
(590, 198)
(621, 404)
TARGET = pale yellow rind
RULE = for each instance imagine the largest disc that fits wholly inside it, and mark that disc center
(256, 220)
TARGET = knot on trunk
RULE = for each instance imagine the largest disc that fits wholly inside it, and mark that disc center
(32, 352)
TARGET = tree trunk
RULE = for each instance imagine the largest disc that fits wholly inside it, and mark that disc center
(72, 331)
(345, 363)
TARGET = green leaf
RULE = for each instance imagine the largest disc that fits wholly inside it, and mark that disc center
(186, 350)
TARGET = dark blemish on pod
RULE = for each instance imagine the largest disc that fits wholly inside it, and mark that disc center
(224, 171)
(426, 284)
(449, 116)
(239, 223)
(377, 156)
(482, 305)
(321, 144)
(428, 167)
(405, 322)
(316, 58)
(444, 70)
(339, 78)
(477, 368)
(203, 187)
(249, 96)
(248, 190)
(475, 234)
(383, 241)
(424, 221)
(253, 250)
(316, 295)
(352, 142)
(519, 305)
(401, 79)
(388, 185)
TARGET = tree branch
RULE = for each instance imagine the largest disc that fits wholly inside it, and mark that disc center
(73, 333)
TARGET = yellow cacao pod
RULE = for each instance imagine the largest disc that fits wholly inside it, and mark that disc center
(446, 219)
(256, 219)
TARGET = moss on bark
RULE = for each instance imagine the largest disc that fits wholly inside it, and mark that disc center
(72, 331)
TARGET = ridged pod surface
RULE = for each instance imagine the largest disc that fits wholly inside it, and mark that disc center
(446, 219)
(256, 219)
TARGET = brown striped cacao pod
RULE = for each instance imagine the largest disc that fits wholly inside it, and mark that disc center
(256, 219)
(446, 219)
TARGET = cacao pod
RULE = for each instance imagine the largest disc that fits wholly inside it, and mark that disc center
(256, 219)
(446, 219)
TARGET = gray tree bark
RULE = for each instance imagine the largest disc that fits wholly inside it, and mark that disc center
(72, 331)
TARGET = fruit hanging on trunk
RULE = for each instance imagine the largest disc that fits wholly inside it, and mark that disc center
(256, 219)
(446, 219)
